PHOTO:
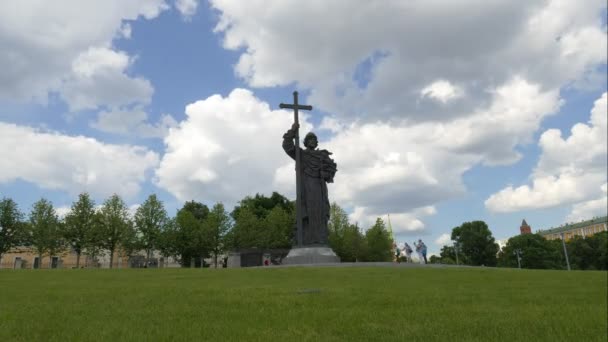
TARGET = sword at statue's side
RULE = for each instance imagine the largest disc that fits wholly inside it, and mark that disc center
(295, 106)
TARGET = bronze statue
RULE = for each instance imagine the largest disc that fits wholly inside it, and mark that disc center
(316, 169)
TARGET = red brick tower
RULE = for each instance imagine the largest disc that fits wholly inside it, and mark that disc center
(525, 228)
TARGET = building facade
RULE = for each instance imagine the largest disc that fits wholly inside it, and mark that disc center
(584, 229)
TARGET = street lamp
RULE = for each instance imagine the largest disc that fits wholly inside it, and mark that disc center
(518, 252)
(565, 251)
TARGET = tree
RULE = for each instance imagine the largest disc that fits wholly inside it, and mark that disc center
(44, 230)
(476, 243)
(216, 225)
(379, 243)
(11, 225)
(79, 224)
(448, 256)
(261, 205)
(588, 253)
(114, 224)
(197, 209)
(535, 252)
(277, 228)
(187, 238)
(354, 247)
(246, 230)
(150, 220)
(337, 226)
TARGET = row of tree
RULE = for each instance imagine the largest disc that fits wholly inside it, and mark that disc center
(474, 245)
(195, 233)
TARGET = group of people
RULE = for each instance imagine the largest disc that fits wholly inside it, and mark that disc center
(407, 251)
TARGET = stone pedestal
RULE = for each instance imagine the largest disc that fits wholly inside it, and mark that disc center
(310, 255)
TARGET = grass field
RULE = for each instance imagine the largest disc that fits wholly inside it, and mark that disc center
(303, 304)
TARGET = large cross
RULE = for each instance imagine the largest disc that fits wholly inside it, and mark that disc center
(296, 106)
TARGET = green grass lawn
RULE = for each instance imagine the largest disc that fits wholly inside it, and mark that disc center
(303, 304)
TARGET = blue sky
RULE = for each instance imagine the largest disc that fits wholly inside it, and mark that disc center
(437, 112)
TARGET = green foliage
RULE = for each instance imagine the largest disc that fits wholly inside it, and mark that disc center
(246, 230)
(448, 256)
(216, 226)
(345, 239)
(115, 227)
(379, 243)
(277, 228)
(262, 222)
(150, 220)
(261, 205)
(588, 253)
(45, 230)
(12, 229)
(198, 210)
(190, 239)
(476, 243)
(535, 252)
(80, 225)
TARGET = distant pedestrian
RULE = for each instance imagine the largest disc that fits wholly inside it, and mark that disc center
(397, 253)
(418, 246)
(423, 250)
(408, 252)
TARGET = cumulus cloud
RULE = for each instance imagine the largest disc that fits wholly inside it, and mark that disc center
(134, 121)
(187, 8)
(227, 148)
(372, 62)
(223, 151)
(569, 170)
(98, 79)
(402, 223)
(444, 239)
(66, 47)
(592, 208)
(442, 91)
(72, 163)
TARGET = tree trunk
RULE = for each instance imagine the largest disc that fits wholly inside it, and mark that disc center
(77, 259)
(215, 259)
(111, 257)
(40, 261)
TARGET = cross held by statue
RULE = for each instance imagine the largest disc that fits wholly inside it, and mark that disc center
(296, 106)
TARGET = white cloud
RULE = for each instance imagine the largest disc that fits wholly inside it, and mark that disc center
(569, 170)
(371, 61)
(589, 209)
(402, 170)
(44, 41)
(98, 78)
(187, 8)
(402, 223)
(72, 163)
(442, 91)
(62, 211)
(444, 239)
(226, 149)
(133, 121)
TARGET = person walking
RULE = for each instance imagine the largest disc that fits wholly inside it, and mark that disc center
(397, 252)
(408, 252)
(423, 250)
(418, 246)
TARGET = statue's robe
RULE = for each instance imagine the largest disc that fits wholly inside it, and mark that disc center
(318, 169)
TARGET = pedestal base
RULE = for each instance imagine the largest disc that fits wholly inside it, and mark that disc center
(310, 255)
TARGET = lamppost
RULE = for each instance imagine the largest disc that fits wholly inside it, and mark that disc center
(518, 253)
(565, 251)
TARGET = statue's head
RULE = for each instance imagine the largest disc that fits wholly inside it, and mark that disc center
(310, 141)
